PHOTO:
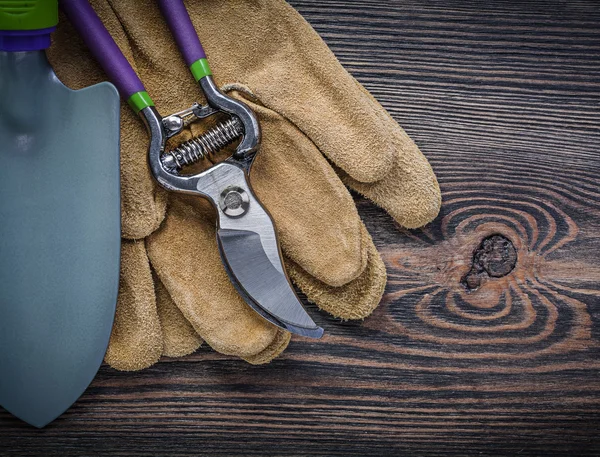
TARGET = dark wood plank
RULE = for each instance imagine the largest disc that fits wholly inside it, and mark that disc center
(503, 98)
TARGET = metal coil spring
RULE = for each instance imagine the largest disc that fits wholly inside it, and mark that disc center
(208, 143)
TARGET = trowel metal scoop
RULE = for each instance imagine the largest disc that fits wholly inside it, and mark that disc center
(246, 233)
(59, 221)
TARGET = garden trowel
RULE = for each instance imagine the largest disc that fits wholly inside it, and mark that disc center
(59, 221)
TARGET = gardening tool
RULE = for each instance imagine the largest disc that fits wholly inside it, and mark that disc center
(60, 221)
(246, 234)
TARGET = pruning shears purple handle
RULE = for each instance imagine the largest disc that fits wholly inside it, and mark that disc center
(107, 53)
(180, 24)
(105, 50)
(246, 233)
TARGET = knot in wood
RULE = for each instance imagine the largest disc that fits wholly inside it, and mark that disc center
(495, 257)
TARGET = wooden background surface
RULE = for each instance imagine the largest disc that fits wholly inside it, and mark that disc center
(503, 97)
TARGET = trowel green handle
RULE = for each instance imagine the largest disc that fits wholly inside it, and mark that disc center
(26, 25)
(183, 30)
(107, 53)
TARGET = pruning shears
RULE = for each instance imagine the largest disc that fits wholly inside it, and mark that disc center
(245, 231)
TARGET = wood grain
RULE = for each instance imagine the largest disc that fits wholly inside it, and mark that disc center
(503, 98)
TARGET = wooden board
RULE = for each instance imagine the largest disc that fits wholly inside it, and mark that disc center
(487, 342)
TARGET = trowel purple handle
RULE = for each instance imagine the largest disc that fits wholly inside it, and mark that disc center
(180, 24)
(103, 47)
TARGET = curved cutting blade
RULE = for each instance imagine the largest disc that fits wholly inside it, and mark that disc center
(250, 251)
(263, 286)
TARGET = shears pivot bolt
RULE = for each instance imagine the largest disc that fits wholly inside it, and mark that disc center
(234, 201)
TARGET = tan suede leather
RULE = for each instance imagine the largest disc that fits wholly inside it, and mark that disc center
(136, 341)
(321, 131)
(179, 337)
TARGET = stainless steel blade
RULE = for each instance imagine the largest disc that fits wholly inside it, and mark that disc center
(250, 251)
(312, 333)
(263, 286)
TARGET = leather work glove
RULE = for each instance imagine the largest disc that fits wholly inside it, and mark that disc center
(322, 131)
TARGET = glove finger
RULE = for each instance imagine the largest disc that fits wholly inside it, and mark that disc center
(185, 257)
(292, 71)
(410, 193)
(142, 201)
(277, 346)
(316, 218)
(355, 300)
(179, 337)
(405, 194)
(136, 340)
